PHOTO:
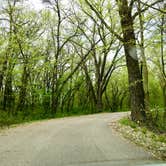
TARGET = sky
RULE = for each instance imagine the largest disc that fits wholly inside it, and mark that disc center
(35, 4)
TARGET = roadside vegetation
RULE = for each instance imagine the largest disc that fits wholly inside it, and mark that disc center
(156, 123)
(151, 135)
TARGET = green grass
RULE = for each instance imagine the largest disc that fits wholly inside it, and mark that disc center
(8, 119)
(155, 121)
(128, 122)
(144, 128)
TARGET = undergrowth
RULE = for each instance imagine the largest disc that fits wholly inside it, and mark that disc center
(7, 118)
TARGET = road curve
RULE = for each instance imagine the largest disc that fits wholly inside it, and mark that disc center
(77, 141)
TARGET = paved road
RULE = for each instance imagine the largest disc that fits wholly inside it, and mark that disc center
(77, 141)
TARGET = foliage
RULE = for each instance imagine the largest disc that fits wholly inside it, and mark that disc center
(67, 60)
(155, 122)
(143, 136)
(128, 122)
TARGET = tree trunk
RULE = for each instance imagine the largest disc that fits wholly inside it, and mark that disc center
(99, 104)
(23, 89)
(8, 96)
(137, 104)
(144, 63)
(163, 72)
(2, 73)
(164, 100)
(55, 89)
(54, 105)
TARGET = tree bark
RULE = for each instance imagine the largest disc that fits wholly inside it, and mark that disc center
(163, 72)
(137, 104)
(2, 74)
(23, 89)
(8, 93)
(143, 58)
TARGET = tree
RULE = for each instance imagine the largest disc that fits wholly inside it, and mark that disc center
(63, 58)
(10, 55)
(144, 67)
(135, 79)
(163, 60)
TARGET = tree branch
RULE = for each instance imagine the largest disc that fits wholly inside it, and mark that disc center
(149, 6)
(103, 21)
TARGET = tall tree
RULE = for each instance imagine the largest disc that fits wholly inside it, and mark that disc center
(129, 41)
(135, 79)
(163, 60)
(144, 67)
(10, 57)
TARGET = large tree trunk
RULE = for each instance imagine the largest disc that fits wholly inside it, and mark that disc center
(134, 75)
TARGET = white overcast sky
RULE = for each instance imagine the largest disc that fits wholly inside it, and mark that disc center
(36, 4)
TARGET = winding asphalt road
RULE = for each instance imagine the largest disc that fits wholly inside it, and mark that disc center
(77, 141)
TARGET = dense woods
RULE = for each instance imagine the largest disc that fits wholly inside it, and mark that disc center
(82, 56)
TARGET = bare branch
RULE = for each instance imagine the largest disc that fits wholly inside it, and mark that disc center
(103, 21)
(149, 6)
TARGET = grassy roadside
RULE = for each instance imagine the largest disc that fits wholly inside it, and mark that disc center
(8, 120)
(153, 141)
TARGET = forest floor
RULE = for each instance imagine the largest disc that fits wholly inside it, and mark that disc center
(73, 141)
